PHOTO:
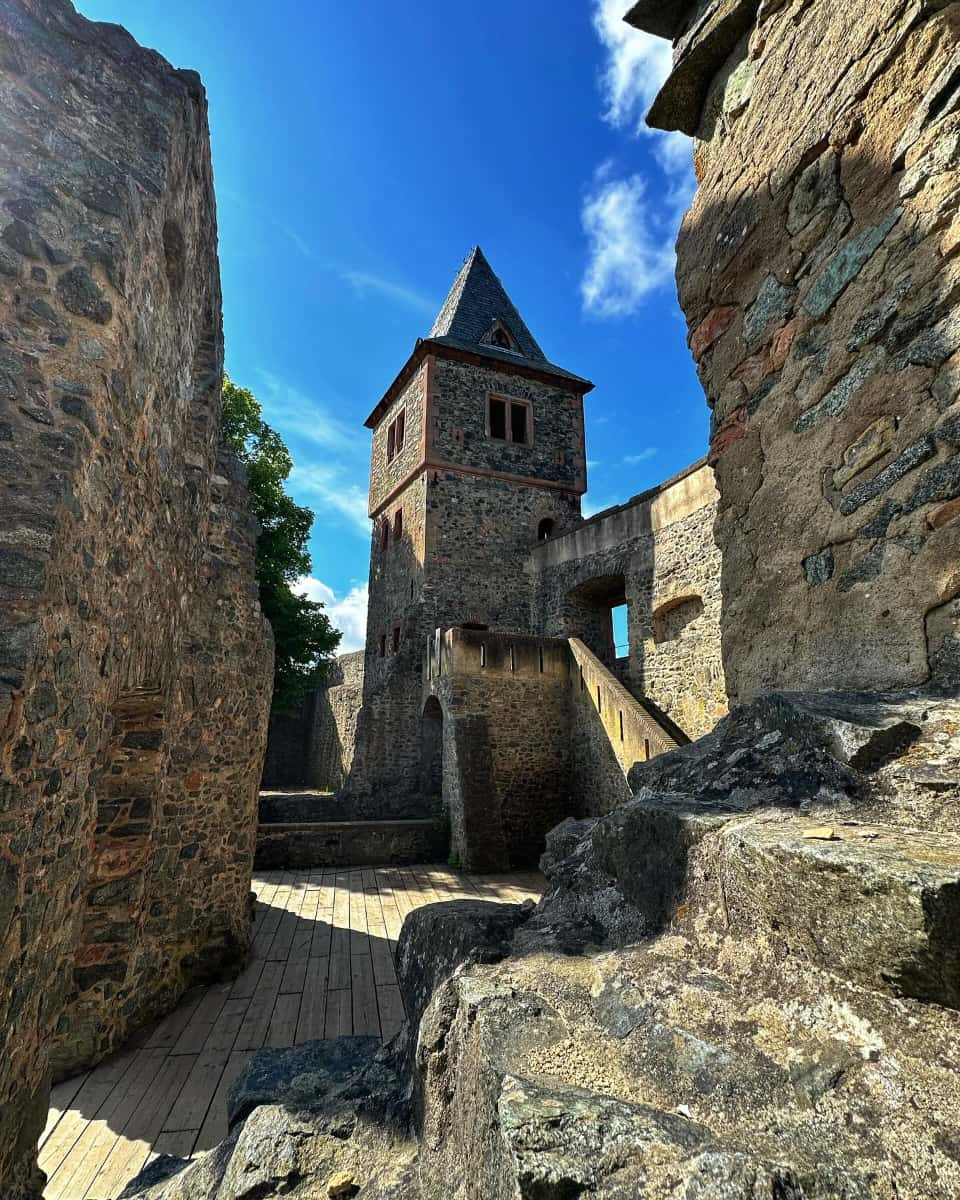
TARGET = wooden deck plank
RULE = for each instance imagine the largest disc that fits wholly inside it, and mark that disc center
(366, 1019)
(310, 1022)
(256, 1022)
(190, 1109)
(323, 966)
(214, 1128)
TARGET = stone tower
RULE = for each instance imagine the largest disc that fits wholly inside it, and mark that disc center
(478, 451)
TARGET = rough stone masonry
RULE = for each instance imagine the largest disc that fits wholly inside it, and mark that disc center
(135, 664)
(819, 273)
(743, 981)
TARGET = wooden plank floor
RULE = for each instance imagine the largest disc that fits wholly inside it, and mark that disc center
(321, 967)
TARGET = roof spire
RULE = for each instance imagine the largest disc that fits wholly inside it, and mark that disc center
(477, 304)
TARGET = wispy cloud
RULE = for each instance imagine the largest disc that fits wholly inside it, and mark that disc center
(292, 411)
(363, 282)
(630, 252)
(643, 456)
(636, 68)
(631, 236)
(329, 491)
(348, 613)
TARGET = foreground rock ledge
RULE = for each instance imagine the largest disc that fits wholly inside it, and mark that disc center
(741, 984)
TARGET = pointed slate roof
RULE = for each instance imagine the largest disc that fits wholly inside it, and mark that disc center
(477, 301)
(474, 306)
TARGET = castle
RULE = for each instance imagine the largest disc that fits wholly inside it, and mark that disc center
(490, 684)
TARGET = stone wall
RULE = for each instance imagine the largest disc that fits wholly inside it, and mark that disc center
(312, 747)
(657, 554)
(506, 746)
(520, 732)
(819, 274)
(135, 665)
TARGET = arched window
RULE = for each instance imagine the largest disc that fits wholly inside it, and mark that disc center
(501, 339)
(545, 529)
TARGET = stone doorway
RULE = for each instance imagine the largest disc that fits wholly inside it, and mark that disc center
(431, 752)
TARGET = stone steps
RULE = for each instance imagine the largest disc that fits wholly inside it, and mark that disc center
(296, 845)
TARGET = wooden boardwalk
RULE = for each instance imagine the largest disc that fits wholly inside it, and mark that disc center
(321, 967)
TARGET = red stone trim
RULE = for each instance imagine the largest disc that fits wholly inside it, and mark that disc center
(427, 348)
(481, 472)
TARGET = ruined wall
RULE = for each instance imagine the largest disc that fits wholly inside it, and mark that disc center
(506, 747)
(661, 545)
(135, 666)
(312, 747)
(818, 270)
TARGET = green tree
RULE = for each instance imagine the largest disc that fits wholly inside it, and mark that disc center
(303, 636)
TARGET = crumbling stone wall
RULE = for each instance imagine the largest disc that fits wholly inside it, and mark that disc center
(660, 546)
(818, 270)
(313, 746)
(135, 665)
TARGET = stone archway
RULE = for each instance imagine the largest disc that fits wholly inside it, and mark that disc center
(431, 752)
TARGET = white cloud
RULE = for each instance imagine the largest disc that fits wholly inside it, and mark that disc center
(630, 246)
(326, 484)
(348, 614)
(631, 236)
(637, 65)
(645, 455)
(363, 282)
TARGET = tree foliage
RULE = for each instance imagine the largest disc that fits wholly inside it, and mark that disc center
(303, 636)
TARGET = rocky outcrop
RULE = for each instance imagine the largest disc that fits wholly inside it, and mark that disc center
(742, 984)
(818, 270)
(135, 666)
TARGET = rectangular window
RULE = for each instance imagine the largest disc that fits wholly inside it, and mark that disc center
(384, 532)
(510, 420)
(518, 423)
(396, 638)
(498, 419)
(383, 645)
(395, 434)
(398, 525)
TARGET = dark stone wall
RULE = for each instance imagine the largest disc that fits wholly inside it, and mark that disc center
(506, 745)
(817, 268)
(292, 846)
(135, 665)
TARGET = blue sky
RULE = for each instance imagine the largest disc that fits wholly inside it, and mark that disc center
(361, 151)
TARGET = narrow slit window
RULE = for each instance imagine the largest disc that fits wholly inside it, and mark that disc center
(541, 659)
(518, 424)
(513, 659)
(391, 441)
(483, 655)
(398, 525)
(396, 638)
(621, 725)
(646, 749)
(383, 645)
(498, 419)
(582, 685)
(599, 700)
(384, 533)
(401, 428)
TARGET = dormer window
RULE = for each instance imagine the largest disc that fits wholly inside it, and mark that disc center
(499, 335)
